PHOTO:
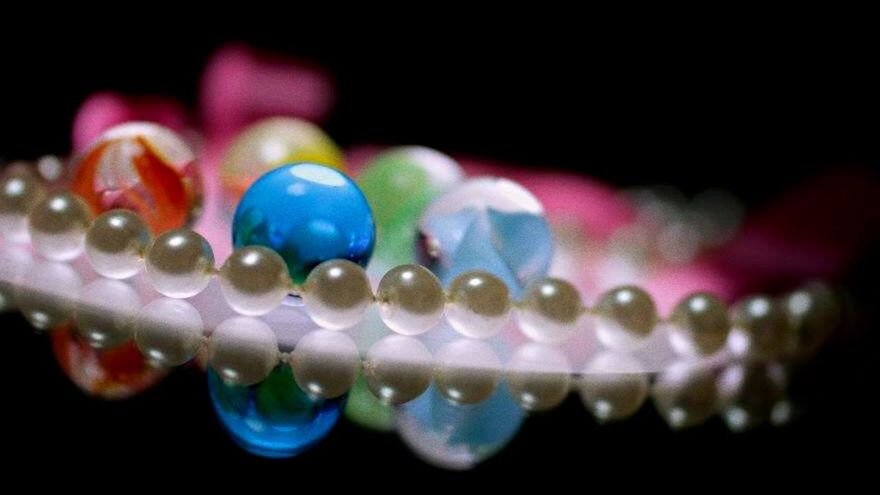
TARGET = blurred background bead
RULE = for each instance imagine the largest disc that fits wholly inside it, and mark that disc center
(613, 387)
(179, 263)
(105, 313)
(467, 371)
(169, 332)
(243, 350)
(410, 299)
(47, 293)
(761, 329)
(684, 395)
(307, 213)
(398, 369)
(699, 325)
(254, 280)
(478, 304)
(814, 313)
(325, 363)
(549, 310)
(337, 294)
(626, 316)
(116, 243)
(144, 167)
(489, 224)
(747, 393)
(20, 191)
(538, 376)
(57, 226)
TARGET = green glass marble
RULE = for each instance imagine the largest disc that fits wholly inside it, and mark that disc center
(365, 410)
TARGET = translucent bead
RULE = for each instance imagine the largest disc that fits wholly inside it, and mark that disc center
(626, 316)
(105, 313)
(116, 243)
(549, 310)
(614, 387)
(478, 304)
(467, 371)
(19, 193)
(761, 328)
(337, 294)
(325, 363)
(398, 369)
(179, 263)
(699, 325)
(169, 332)
(254, 280)
(538, 376)
(58, 225)
(243, 350)
(410, 299)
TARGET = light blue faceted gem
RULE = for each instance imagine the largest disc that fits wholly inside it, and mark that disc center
(459, 436)
(307, 213)
(488, 224)
(274, 418)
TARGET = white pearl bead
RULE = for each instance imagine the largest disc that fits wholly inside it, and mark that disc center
(410, 299)
(699, 325)
(105, 313)
(48, 293)
(336, 294)
(57, 226)
(325, 363)
(19, 193)
(243, 350)
(179, 263)
(684, 394)
(626, 316)
(614, 387)
(761, 328)
(254, 280)
(467, 371)
(116, 243)
(169, 332)
(549, 310)
(398, 369)
(478, 304)
(538, 376)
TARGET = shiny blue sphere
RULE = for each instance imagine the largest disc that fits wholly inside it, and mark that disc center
(307, 213)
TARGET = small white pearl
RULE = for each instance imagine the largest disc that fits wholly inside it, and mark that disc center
(254, 280)
(105, 313)
(549, 310)
(48, 293)
(116, 243)
(179, 263)
(614, 386)
(20, 192)
(58, 225)
(398, 369)
(467, 371)
(538, 376)
(478, 304)
(169, 332)
(410, 299)
(243, 350)
(336, 294)
(325, 363)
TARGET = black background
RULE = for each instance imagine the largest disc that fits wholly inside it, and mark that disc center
(695, 108)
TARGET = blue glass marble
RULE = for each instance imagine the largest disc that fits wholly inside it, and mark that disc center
(487, 224)
(274, 418)
(307, 213)
(459, 436)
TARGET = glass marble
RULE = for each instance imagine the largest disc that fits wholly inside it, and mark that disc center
(143, 167)
(307, 213)
(270, 143)
(399, 184)
(489, 224)
(274, 418)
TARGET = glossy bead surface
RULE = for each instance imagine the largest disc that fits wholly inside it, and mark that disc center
(814, 313)
(254, 280)
(243, 350)
(337, 294)
(308, 214)
(143, 167)
(761, 328)
(684, 395)
(467, 371)
(169, 332)
(478, 304)
(488, 224)
(58, 225)
(399, 184)
(20, 191)
(47, 293)
(410, 299)
(613, 387)
(549, 310)
(625, 317)
(325, 363)
(179, 263)
(538, 376)
(116, 243)
(398, 369)
(105, 313)
(699, 325)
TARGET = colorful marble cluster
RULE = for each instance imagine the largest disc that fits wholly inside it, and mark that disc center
(399, 184)
(274, 418)
(307, 213)
(142, 167)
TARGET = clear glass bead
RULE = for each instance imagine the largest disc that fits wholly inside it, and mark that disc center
(116, 243)
(478, 304)
(410, 299)
(398, 369)
(179, 263)
(169, 332)
(325, 363)
(105, 312)
(699, 325)
(58, 225)
(337, 294)
(549, 310)
(20, 191)
(625, 317)
(254, 280)
(243, 350)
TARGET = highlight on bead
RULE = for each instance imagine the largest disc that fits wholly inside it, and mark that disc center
(180, 263)
(57, 226)
(254, 280)
(478, 304)
(336, 294)
(116, 244)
